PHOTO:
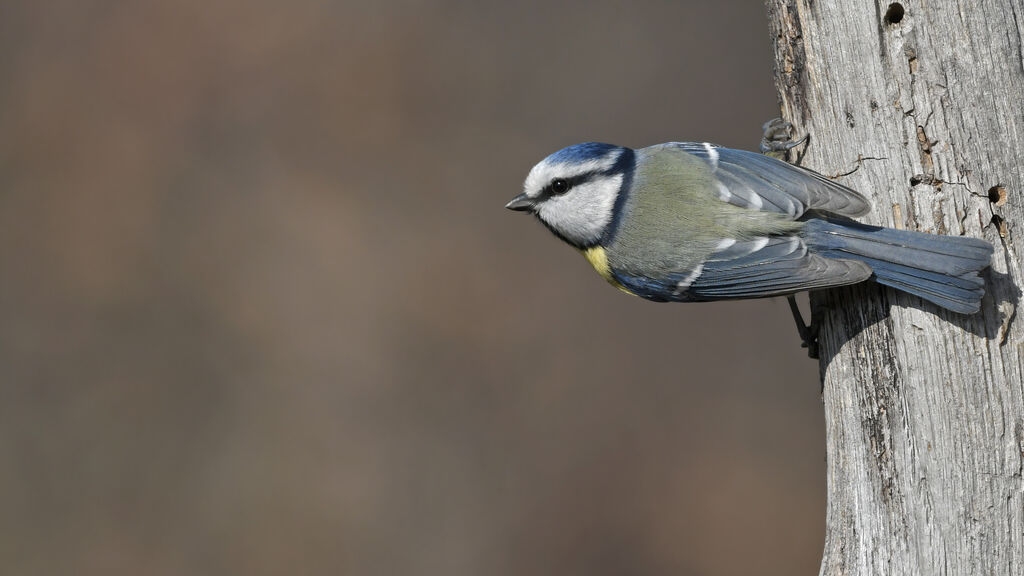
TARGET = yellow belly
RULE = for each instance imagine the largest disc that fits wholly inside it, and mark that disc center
(599, 260)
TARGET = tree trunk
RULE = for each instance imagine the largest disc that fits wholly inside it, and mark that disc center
(920, 106)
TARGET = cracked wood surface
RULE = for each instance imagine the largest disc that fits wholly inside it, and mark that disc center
(919, 105)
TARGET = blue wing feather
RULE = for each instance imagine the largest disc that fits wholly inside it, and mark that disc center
(762, 182)
(755, 268)
(782, 265)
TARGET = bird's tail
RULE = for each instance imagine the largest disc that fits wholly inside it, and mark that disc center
(940, 269)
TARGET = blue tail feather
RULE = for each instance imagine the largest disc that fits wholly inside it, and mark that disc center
(941, 269)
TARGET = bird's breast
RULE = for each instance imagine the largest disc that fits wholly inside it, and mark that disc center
(598, 258)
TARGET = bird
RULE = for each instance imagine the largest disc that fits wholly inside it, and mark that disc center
(694, 221)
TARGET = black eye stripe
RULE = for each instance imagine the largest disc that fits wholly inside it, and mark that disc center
(569, 183)
(572, 181)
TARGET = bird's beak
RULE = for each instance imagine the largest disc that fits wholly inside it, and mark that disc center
(521, 203)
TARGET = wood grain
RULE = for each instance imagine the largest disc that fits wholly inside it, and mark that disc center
(920, 106)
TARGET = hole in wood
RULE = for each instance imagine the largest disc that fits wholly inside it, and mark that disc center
(894, 14)
(997, 195)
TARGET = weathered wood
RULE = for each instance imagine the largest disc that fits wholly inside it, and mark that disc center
(920, 105)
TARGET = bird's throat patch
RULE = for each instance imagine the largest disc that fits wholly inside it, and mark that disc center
(598, 258)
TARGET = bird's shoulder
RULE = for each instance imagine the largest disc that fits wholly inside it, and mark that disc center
(671, 161)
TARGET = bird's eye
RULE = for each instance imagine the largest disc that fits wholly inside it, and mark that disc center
(559, 186)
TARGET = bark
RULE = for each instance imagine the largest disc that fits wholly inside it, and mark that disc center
(919, 105)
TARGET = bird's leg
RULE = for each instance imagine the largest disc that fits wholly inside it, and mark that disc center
(808, 334)
(776, 139)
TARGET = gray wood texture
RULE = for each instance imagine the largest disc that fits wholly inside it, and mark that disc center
(920, 106)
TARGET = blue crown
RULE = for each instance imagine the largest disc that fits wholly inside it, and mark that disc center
(582, 153)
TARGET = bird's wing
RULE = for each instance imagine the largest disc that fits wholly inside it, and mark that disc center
(752, 180)
(769, 266)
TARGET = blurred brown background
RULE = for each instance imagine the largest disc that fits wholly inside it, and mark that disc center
(262, 312)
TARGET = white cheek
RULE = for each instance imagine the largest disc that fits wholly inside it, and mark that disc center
(583, 213)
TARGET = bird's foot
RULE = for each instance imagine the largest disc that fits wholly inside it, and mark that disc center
(808, 333)
(777, 138)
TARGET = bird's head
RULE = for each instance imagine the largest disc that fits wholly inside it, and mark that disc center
(574, 191)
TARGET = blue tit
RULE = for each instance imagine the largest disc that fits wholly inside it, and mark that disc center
(688, 221)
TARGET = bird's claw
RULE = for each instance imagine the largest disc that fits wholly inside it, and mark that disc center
(777, 138)
(808, 333)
